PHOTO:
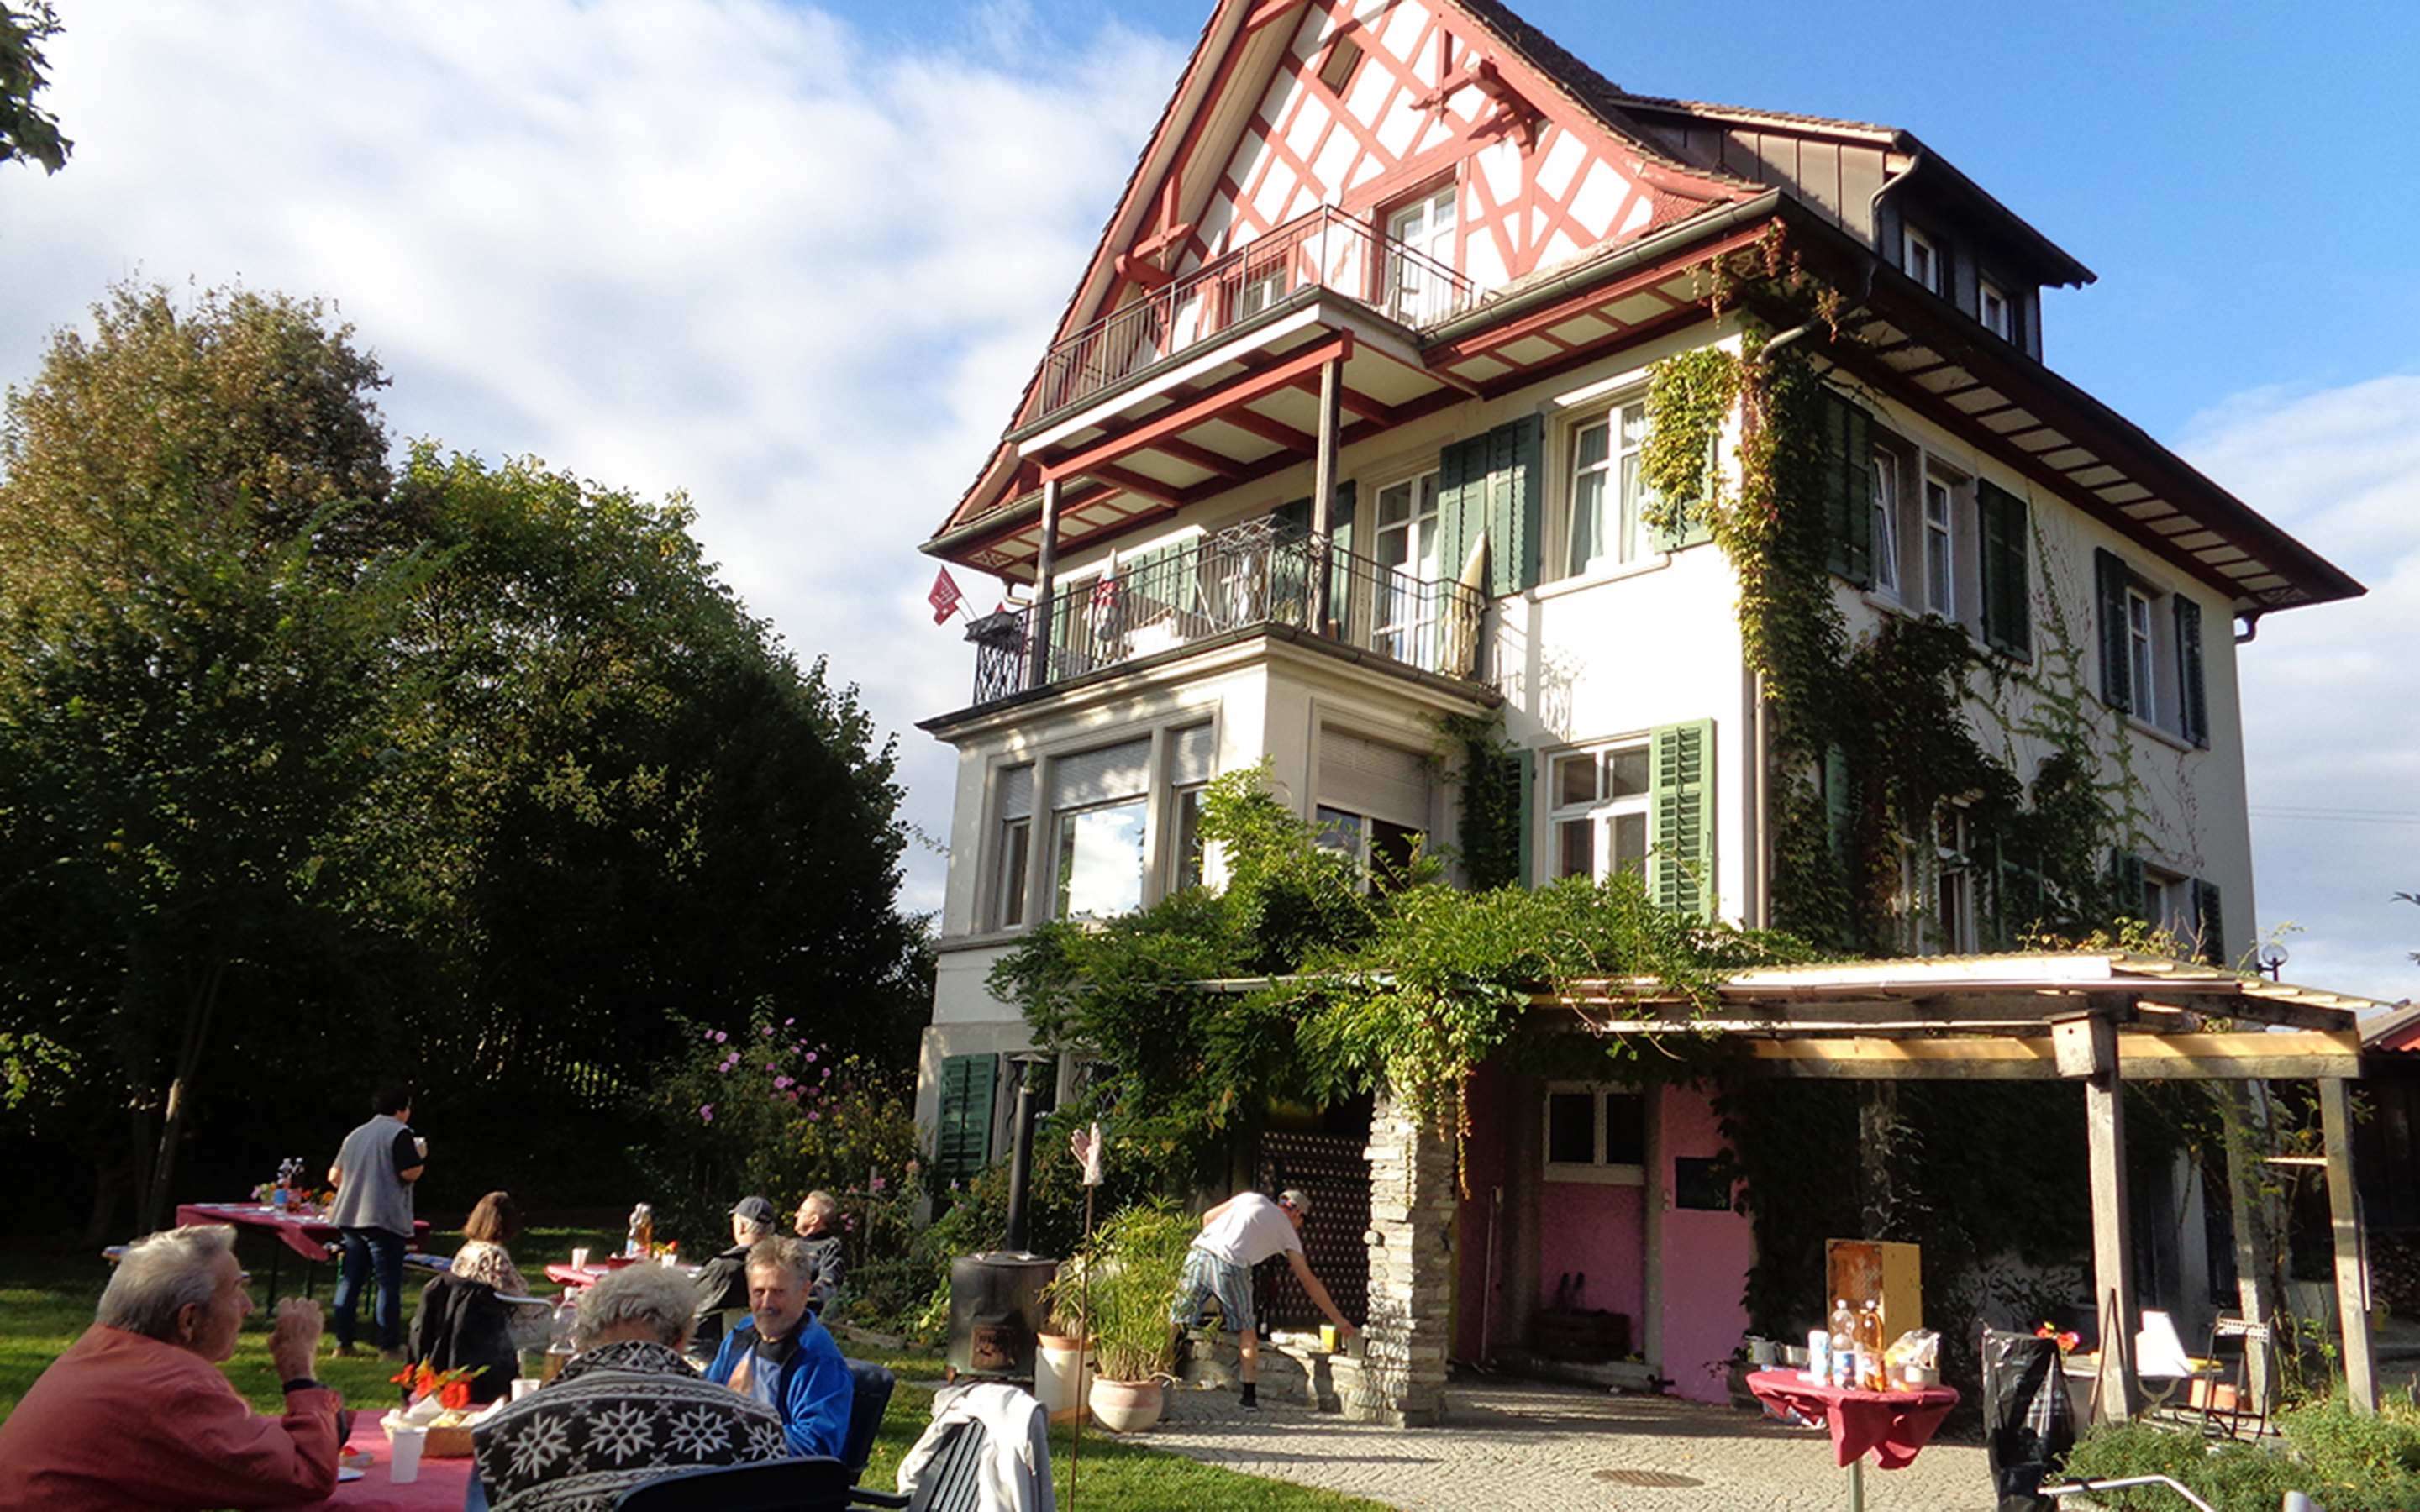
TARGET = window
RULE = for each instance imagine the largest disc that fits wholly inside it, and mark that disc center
(1606, 494)
(1191, 757)
(1422, 250)
(1886, 523)
(1099, 818)
(1940, 547)
(2002, 545)
(2151, 651)
(1595, 1134)
(1016, 848)
(962, 1134)
(1953, 918)
(1406, 544)
(1373, 801)
(2191, 909)
(1600, 816)
(1998, 311)
(1926, 261)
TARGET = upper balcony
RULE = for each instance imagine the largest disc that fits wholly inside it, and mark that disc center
(1248, 579)
(1325, 249)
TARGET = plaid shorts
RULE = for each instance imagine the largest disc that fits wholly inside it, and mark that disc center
(1207, 1276)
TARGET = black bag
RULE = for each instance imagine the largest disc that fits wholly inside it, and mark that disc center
(2028, 1419)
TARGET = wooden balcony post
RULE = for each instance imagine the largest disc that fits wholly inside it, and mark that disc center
(1323, 487)
(2344, 1223)
(1046, 574)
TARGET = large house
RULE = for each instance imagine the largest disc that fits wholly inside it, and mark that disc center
(1348, 428)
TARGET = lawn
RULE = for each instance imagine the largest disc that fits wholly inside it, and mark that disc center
(47, 1293)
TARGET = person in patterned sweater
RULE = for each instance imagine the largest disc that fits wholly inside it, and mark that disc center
(627, 1408)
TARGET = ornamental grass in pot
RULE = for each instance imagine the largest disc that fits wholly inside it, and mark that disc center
(1119, 1290)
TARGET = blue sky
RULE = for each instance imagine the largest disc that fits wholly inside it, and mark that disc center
(798, 259)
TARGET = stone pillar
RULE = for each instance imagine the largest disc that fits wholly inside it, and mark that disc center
(1412, 1202)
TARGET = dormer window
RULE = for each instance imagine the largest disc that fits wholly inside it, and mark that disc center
(1926, 262)
(1998, 311)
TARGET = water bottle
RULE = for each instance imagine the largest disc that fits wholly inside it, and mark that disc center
(1844, 1344)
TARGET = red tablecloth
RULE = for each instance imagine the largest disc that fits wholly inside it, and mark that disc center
(1891, 1424)
(440, 1488)
(307, 1237)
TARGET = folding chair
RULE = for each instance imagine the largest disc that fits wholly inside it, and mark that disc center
(2228, 1400)
(818, 1483)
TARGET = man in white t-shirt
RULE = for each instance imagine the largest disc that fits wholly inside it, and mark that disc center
(1236, 1235)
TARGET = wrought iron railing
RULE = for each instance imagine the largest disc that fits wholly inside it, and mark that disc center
(1255, 574)
(1327, 249)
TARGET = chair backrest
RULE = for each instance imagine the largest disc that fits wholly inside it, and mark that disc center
(952, 1478)
(870, 1399)
(817, 1483)
(2158, 1350)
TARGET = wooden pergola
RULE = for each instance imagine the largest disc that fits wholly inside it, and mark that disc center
(2098, 1017)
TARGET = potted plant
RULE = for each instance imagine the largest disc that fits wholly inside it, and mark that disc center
(1119, 1290)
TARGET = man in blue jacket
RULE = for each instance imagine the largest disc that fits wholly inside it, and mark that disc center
(783, 1357)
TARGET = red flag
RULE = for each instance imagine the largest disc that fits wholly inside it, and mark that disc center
(945, 598)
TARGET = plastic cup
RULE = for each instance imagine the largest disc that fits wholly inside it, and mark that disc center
(523, 1386)
(1327, 1337)
(579, 1259)
(404, 1467)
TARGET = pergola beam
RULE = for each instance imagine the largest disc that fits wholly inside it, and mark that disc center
(2307, 1055)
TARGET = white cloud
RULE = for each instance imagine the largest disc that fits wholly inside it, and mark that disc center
(2331, 699)
(725, 246)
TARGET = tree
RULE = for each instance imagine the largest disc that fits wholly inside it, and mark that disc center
(28, 130)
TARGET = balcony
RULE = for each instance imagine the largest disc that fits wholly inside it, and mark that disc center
(1326, 249)
(1253, 576)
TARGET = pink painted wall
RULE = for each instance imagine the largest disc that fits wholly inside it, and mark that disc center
(1599, 1232)
(1706, 1258)
(1480, 1306)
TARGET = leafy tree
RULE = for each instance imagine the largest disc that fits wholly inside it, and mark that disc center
(28, 130)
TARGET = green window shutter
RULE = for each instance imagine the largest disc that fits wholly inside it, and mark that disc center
(1293, 517)
(1681, 765)
(1341, 606)
(2126, 883)
(962, 1136)
(1461, 503)
(2210, 920)
(1839, 811)
(2109, 581)
(2193, 699)
(1515, 506)
(2008, 609)
(1848, 488)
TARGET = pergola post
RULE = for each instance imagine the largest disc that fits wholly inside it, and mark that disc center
(2344, 1222)
(2088, 1050)
(1045, 576)
(2251, 1208)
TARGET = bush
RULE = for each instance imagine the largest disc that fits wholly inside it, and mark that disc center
(2345, 1460)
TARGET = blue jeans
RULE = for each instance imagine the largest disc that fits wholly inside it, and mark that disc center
(362, 1247)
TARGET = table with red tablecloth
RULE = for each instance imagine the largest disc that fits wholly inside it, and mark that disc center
(1892, 1425)
(311, 1235)
(442, 1486)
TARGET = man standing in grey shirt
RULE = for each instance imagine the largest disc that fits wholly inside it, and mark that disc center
(373, 1177)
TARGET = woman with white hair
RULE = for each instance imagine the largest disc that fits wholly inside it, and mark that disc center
(136, 1412)
(627, 1408)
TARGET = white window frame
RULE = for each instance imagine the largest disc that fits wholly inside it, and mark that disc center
(1429, 225)
(1066, 827)
(1617, 531)
(1887, 520)
(1404, 620)
(1012, 877)
(2143, 659)
(1926, 260)
(1997, 309)
(1941, 543)
(1597, 1170)
(1601, 816)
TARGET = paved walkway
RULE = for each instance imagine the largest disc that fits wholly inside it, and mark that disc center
(1527, 1444)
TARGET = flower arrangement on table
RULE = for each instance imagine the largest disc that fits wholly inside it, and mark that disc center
(440, 1403)
(451, 1388)
(2066, 1338)
(296, 1198)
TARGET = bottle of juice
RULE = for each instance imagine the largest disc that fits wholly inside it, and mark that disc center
(1872, 1376)
(1844, 1344)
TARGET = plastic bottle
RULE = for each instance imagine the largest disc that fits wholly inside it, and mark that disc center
(1871, 1375)
(1844, 1344)
(559, 1331)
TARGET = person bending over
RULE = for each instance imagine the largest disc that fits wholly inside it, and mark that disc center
(136, 1413)
(1236, 1235)
(626, 1410)
(783, 1357)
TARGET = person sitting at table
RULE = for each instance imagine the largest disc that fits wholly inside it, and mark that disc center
(722, 1285)
(783, 1357)
(495, 1223)
(136, 1412)
(627, 1408)
(819, 1223)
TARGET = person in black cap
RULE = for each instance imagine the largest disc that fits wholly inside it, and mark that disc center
(723, 1283)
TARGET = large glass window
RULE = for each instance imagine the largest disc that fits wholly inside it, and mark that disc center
(1600, 813)
(1423, 233)
(1100, 860)
(1406, 544)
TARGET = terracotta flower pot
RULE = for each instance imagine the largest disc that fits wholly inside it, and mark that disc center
(1062, 1367)
(1126, 1406)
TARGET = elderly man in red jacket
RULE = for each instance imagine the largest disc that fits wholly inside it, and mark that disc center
(136, 1413)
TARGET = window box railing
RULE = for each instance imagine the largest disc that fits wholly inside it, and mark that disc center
(1256, 574)
(1325, 249)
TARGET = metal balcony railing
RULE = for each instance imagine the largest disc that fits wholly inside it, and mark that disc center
(1326, 249)
(1256, 574)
